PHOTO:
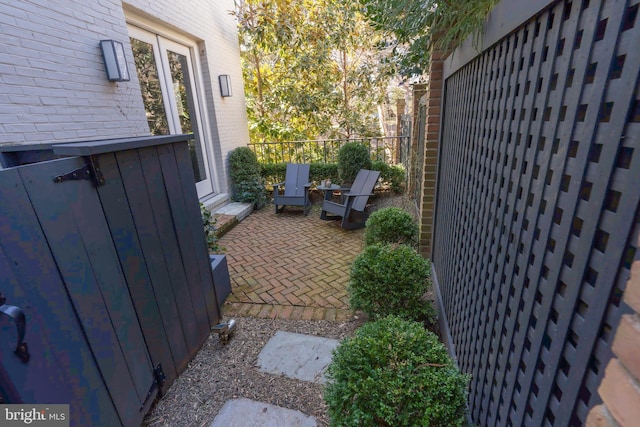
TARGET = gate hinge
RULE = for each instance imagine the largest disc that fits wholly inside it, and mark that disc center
(90, 171)
(158, 375)
(158, 380)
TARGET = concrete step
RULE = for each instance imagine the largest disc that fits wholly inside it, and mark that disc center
(216, 201)
(229, 215)
(237, 209)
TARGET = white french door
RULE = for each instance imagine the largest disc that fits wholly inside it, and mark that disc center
(169, 90)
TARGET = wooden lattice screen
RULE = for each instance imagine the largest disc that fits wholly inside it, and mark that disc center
(537, 206)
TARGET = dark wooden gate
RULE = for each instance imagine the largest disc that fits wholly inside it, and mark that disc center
(537, 206)
(111, 273)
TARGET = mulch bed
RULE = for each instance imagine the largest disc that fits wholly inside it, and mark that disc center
(223, 371)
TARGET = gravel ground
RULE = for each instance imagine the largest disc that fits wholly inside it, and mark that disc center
(223, 371)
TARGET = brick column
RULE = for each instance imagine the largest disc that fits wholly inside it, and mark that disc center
(620, 387)
(432, 135)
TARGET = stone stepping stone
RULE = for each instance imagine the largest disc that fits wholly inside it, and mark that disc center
(250, 413)
(303, 357)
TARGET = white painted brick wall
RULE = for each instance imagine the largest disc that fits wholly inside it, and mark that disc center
(53, 84)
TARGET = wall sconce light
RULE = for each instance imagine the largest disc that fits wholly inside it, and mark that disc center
(114, 61)
(225, 84)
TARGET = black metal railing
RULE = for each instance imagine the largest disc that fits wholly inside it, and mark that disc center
(390, 150)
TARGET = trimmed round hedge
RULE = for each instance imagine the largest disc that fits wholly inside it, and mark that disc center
(393, 372)
(352, 157)
(391, 225)
(391, 279)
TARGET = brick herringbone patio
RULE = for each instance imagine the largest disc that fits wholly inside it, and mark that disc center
(290, 265)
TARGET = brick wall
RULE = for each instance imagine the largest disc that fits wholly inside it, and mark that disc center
(54, 85)
(432, 134)
(620, 387)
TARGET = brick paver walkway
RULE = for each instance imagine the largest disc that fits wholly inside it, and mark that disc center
(290, 265)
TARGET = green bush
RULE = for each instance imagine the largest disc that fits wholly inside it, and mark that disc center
(394, 175)
(393, 372)
(321, 171)
(248, 185)
(391, 225)
(276, 172)
(391, 279)
(273, 173)
(209, 224)
(352, 157)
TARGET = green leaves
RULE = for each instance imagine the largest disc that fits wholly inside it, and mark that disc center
(391, 279)
(391, 225)
(248, 185)
(352, 157)
(415, 27)
(209, 224)
(394, 175)
(310, 69)
(394, 373)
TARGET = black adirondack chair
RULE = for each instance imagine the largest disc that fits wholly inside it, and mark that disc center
(296, 188)
(354, 201)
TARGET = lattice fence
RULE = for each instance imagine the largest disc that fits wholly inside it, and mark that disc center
(537, 204)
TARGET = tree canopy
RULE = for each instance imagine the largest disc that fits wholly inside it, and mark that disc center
(411, 28)
(311, 69)
(321, 68)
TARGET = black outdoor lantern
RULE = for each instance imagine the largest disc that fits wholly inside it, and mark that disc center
(225, 85)
(115, 61)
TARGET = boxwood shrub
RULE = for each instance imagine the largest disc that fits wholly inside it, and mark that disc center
(322, 171)
(352, 157)
(394, 175)
(248, 185)
(393, 372)
(391, 225)
(391, 279)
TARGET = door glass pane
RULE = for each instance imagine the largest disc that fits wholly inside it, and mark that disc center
(147, 69)
(183, 92)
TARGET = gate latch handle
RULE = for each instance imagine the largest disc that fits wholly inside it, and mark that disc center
(22, 351)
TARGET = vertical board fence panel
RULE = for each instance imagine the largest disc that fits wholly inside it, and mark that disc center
(137, 265)
(537, 203)
(179, 209)
(111, 267)
(193, 226)
(172, 256)
(61, 368)
(108, 322)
